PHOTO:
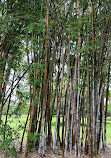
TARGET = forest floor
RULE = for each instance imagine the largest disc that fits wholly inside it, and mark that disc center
(58, 154)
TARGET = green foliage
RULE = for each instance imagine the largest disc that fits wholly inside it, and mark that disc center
(12, 152)
(22, 36)
(5, 110)
(34, 137)
(7, 143)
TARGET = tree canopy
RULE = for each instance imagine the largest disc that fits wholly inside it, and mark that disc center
(55, 59)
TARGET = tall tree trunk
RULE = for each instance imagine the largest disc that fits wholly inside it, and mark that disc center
(45, 81)
(107, 94)
(93, 99)
(60, 94)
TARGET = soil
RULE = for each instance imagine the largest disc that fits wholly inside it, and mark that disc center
(58, 154)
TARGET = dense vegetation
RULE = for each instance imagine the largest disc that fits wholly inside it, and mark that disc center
(55, 60)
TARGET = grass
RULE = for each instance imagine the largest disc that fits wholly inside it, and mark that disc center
(108, 128)
(17, 122)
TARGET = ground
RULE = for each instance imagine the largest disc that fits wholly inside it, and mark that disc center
(58, 154)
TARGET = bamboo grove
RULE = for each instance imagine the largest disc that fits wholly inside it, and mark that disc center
(65, 49)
